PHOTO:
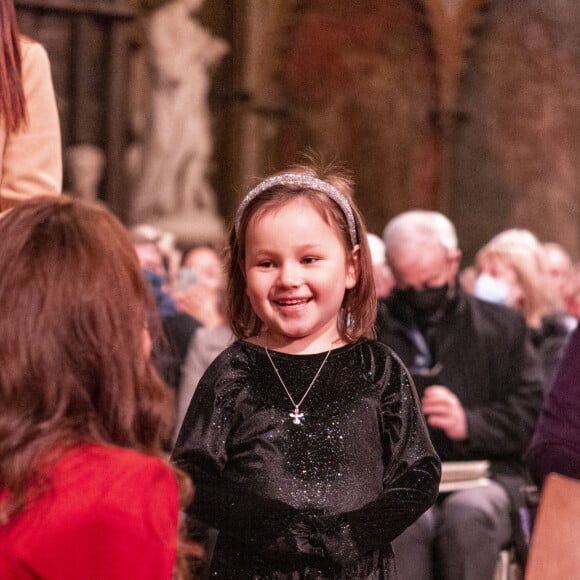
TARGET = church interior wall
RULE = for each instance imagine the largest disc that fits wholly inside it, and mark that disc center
(470, 107)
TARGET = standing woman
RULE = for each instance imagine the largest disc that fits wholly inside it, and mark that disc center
(30, 144)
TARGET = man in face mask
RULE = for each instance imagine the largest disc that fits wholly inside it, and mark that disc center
(479, 380)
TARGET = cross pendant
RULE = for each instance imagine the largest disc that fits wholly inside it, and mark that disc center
(297, 416)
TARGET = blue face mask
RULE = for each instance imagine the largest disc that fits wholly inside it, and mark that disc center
(491, 289)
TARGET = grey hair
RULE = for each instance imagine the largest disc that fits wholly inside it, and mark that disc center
(420, 227)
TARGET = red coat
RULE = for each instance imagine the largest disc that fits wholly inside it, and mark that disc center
(110, 514)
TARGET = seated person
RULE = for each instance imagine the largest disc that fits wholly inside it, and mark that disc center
(200, 289)
(558, 265)
(215, 335)
(513, 271)
(572, 293)
(480, 384)
(381, 274)
(85, 489)
(157, 257)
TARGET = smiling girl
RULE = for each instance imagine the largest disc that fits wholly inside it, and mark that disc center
(304, 438)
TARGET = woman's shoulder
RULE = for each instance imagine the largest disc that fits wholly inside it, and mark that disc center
(101, 502)
(32, 51)
(122, 472)
(112, 487)
(121, 459)
(36, 69)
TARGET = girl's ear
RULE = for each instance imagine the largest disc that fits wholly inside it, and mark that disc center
(352, 268)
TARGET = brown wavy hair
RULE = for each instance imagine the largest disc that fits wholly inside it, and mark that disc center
(358, 311)
(12, 99)
(72, 333)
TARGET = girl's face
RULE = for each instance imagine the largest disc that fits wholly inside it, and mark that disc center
(297, 271)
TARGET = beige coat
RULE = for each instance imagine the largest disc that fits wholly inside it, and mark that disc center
(32, 158)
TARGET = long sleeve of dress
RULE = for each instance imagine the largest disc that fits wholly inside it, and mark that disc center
(351, 478)
(32, 157)
(200, 451)
(410, 485)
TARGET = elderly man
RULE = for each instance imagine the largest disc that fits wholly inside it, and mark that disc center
(480, 385)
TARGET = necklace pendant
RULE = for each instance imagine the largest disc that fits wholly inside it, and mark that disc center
(297, 416)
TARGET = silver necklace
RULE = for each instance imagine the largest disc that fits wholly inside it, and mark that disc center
(297, 416)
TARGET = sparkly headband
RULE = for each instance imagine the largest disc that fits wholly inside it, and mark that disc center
(305, 181)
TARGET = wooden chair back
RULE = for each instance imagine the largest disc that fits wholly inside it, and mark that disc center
(555, 543)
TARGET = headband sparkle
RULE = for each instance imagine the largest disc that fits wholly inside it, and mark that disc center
(307, 182)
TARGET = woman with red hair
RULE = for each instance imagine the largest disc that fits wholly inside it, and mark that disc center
(86, 490)
(30, 144)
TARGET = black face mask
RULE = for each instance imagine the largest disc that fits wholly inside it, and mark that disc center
(426, 303)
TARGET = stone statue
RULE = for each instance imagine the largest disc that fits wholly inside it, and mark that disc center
(84, 165)
(177, 142)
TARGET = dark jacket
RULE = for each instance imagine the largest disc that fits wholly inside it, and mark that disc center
(488, 361)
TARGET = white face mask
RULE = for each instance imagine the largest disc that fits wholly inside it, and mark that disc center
(491, 289)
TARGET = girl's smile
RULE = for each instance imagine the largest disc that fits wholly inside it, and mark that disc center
(297, 272)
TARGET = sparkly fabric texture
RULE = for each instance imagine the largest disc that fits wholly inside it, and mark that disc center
(319, 500)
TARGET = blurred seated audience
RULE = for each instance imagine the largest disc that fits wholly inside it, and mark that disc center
(512, 271)
(86, 490)
(572, 293)
(206, 298)
(555, 446)
(382, 274)
(199, 287)
(558, 264)
(480, 384)
(159, 260)
(467, 278)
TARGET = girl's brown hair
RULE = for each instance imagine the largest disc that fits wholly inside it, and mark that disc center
(74, 367)
(357, 315)
(12, 100)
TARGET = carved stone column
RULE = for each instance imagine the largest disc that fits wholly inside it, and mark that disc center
(87, 42)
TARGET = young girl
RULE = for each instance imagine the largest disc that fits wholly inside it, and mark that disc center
(85, 489)
(304, 437)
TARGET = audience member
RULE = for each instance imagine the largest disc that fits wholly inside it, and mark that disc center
(558, 264)
(381, 273)
(555, 446)
(480, 384)
(305, 437)
(215, 334)
(158, 257)
(85, 488)
(30, 146)
(572, 293)
(467, 278)
(512, 269)
(201, 291)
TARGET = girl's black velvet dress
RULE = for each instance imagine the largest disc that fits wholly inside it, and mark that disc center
(318, 500)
